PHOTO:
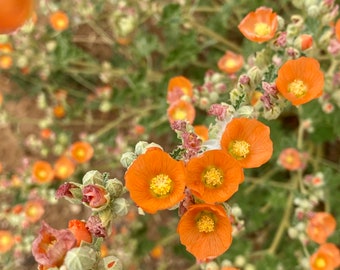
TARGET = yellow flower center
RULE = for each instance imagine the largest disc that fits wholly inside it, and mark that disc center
(80, 152)
(230, 63)
(320, 263)
(239, 149)
(161, 185)
(261, 29)
(205, 224)
(298, 88)
(180, 114)
(185, 90)
(42, 174)
(212, 177)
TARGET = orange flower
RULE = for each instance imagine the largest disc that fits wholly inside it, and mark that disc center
(34, 210)
(46, 133)
(81, 151)
(337, 30)
(59, 111)
(177, 87)
(64, 167)
(214, 176)
(181, 110)
(259, 26)
(59, 20)
(157, 252)
(205, 230)
(320, 226)
(6, 60)
(230, 62)
(42, 172)
(255, 98)
(290, 159)
(202, 131)
(79, 230)
(306, 41)
(300, 80)
(327, 257)
(248, 142)
(156, 181)
(6, 241)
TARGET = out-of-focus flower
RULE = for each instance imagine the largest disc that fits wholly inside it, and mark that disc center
(230, 62)
(64, 167)
(248, 142)
(81, 151)
(327, 257)
(34, 210)
(202, 227)
(181, 110)
(7, 241)
(337, 29)
(59, 20)
(59, 111)
(157, 252)
(179, 86)
(6, 60)
(155, 180)
(320, 226)
(79, 230)
(51, 245)
(259, 25)
(214, 176)
(290, 159)
(300, 80)
(304, 42)
(95, 196)
(42, 172)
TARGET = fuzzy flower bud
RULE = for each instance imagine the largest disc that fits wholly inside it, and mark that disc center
(114, 187)
(255, 74)
(93, 177)
(127, 159)
(110, 263)
(140, 147)
(83, 257)
(95, 226)
(120, 207)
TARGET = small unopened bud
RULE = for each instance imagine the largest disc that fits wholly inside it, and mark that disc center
(140, 147)
(255, 75)
(120, 207)
(240, 261)
(127, 159)
(110, 263)
(304, 42)
(211, 266)
(83, 257)
(313, 11)
(93, 177)
(114, 187)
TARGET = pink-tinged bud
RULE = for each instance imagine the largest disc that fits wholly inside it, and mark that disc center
(95, 196)
(51, 246)
(218, 110)
(64, 190)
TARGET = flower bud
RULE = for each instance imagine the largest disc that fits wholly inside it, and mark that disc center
(313, 11)
(211, 266)
(93, 177)
(80, 258)
(127, 159)
(95, 196)
(240, 261)
(106, 217)
(120, 206)
(114, 187)
(303, 42)
(245, 111)
(273, 113)
(110, 263)
(140, 147)
(255, 74)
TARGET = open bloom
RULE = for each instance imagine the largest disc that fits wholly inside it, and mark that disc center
(248, 142)
(230, 62)
(290, 159)
(51, 245)
(59, 20)
(34, 210)
(79, 230)
(42, 172)
(177, 87)
(205, 231)
(81, 152)
(181, 110)
(327, 257)
(337, 29)
(64, 167)
(6, 241)
(259, 25)
(214, 176)
(300, 80)
(320, 226)
(155, 180)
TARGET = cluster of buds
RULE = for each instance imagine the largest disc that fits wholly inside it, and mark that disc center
(79, 245)
(210, 91)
